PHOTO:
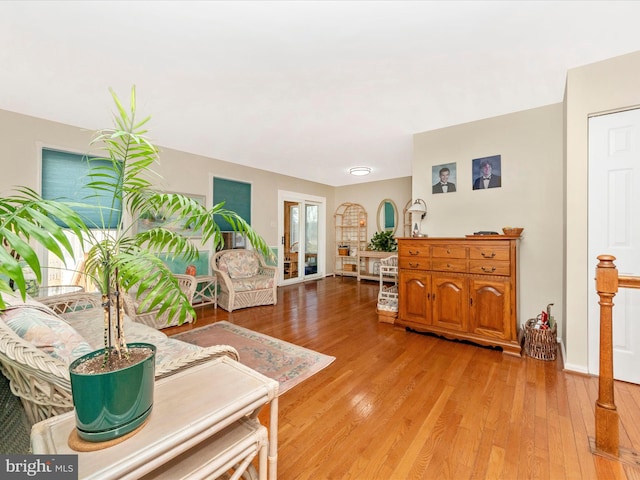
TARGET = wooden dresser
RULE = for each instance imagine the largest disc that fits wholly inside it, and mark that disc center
(464, 288)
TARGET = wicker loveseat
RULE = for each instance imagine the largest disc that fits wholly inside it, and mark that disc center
(245, 279)
(39, 339)
(151, 318)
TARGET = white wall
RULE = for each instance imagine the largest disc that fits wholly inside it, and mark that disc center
(531, 196)
(601, 87)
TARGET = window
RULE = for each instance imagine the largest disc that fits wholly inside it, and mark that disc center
(237, 198)
(65, 177)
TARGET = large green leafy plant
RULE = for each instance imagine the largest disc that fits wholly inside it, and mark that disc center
(121, 259)
(383, 242)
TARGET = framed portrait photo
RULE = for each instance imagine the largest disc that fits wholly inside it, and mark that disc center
(161, 219)
(487, 172)
(443, 178)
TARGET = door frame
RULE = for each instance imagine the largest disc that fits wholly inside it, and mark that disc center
(302, 199)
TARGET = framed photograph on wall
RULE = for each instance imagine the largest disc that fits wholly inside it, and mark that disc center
(443, 178)
(158, 219)
(487, 172)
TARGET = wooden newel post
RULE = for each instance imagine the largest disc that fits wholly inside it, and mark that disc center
(607, 433)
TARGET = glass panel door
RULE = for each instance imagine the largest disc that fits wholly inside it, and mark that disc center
(311, 239)
(302, 230)
(291, 244)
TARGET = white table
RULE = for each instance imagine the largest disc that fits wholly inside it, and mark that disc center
(191, 411)
(206, 291)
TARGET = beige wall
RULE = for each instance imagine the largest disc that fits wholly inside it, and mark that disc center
(370, 194)
(531, 146)
(21, 137)
(597, 88)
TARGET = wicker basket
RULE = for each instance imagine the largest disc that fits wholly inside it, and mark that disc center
(540, 344)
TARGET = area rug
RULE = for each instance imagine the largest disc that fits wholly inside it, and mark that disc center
(285, 362)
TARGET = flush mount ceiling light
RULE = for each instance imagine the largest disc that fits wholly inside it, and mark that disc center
(359, 171)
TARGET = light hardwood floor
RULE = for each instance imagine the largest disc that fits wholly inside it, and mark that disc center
(400, 405)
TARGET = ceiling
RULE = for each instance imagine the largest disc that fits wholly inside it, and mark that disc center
(307, 88)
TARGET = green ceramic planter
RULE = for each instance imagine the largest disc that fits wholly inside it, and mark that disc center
(111, 404)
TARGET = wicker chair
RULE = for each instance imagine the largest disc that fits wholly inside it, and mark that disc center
(151, 318)
(245, 279)
(42, 381)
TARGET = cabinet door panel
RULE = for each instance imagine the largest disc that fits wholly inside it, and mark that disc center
(414, 288)
(450, 302)
(491, 309)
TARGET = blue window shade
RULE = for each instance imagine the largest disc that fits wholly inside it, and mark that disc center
(389, 215)
(237, 198)
(65, 177)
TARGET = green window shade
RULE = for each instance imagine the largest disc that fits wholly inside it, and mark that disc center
(237, 198)
(389, 215)
(65, 177)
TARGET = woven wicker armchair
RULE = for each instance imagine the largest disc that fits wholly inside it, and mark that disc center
(42, 381)
(151, 318)
(245, 279)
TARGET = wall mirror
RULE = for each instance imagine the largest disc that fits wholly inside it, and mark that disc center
(387, 216)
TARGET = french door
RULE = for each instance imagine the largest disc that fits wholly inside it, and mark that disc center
(301, 228)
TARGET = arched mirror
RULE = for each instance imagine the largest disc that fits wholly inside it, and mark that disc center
(387, 216)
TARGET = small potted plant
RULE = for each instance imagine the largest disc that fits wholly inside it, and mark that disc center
(383, 242)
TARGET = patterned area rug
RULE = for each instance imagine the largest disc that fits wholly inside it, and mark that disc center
(285, 362)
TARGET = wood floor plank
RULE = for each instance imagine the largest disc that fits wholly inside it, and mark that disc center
(397, 405)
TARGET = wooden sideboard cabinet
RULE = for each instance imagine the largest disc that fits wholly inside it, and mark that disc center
(464, 288)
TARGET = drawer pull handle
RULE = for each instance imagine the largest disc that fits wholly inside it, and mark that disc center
(414, 252)
(448, 265)
(489, 270)
(493, 254)
(414, 265)
(448, 252)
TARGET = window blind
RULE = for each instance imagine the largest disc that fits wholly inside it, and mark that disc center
(65, 177)
(237, 198)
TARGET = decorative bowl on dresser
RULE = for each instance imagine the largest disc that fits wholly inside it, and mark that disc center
(462, 288)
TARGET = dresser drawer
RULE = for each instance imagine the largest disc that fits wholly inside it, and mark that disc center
(416, 263)
(489, 253)
(451, 265)
(413, 249)
(446, 251)
(490, 267)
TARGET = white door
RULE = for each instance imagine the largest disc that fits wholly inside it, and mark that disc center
(614, 228)
(301, 227)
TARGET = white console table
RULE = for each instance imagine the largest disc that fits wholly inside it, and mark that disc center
(203, 419)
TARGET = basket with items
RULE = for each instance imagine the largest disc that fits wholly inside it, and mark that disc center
(540, 336)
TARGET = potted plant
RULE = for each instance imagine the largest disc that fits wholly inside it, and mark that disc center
(383, 242)
(120, 260)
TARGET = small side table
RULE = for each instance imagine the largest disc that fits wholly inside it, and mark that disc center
(54, 290)
(204, 419)
(206, 291)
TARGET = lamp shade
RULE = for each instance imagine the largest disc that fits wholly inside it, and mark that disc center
(419, 206)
